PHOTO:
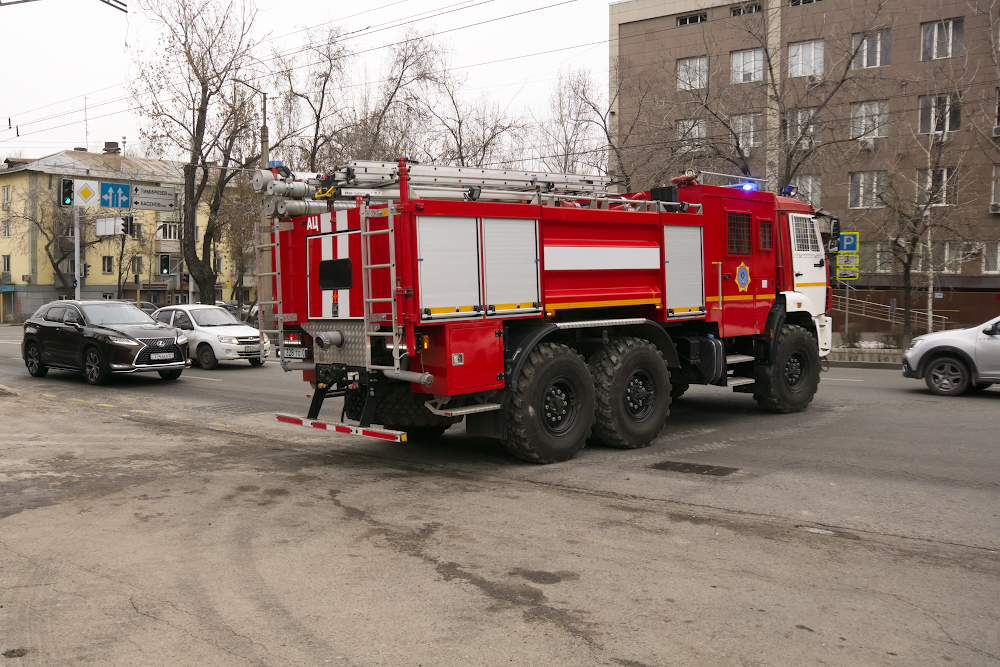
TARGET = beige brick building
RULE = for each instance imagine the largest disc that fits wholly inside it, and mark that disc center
(884, 115)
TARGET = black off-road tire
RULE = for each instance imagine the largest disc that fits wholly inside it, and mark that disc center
(33, 360)
(206, 357)
(632, 390)
(95, 367)
(171, 375)
(794, 375)
(677, 389)
(947, 376)
(424, 433)
(398, 408)
(553, 409)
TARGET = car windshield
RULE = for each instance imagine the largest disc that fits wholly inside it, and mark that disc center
(213, 317)
(115, 313)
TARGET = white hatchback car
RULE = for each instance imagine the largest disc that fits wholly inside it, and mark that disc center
(214, 334)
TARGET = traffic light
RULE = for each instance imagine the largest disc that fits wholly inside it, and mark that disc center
(164, 264)
(66, 192)
(86, 270)
(74, 283)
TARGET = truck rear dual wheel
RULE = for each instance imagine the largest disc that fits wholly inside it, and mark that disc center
(552, 411)
(633, 393)
(794, 374)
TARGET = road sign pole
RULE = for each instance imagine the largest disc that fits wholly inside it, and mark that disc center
(76, 252)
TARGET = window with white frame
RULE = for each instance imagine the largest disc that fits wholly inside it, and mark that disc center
(803, 127)
(170, 231)
(937, 187)
(805, 58)
(956, 254)
(747, 130)
(5, 229)
(691, 134)
(866, 189)
(942, 39)
(5, 265)
(692, 73)
(884, 260)
(991, 257)
(692, 19)
(751, 8)
(870, 119)
(871, 50)
(69, 266)
(137, 265)
(217, 264)
(5, 197)
(940, 113)
(796, 3)
(107, 264)
(748, 66)
(808, 188)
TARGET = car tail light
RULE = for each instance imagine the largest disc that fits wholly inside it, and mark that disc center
(293, 338)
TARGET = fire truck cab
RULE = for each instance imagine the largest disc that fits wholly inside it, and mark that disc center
(541, 309)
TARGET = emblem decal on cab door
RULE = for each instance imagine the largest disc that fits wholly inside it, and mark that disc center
(742, 277)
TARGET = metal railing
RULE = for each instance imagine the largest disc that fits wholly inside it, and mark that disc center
(885, 313)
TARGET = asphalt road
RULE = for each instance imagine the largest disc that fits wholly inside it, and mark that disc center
(150, 522)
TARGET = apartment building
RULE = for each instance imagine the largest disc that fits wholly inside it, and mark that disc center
(117, 245)
(885, 114)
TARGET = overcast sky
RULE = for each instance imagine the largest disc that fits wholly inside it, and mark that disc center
(58, 52)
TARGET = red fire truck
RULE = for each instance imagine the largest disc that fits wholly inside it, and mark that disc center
(540, 308)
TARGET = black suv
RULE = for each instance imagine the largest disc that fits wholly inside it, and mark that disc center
(99, 338)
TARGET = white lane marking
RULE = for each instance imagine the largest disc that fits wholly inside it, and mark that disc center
(843, 380)
(11, 342)
(198, 377)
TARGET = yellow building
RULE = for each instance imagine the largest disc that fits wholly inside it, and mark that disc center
(116, 244)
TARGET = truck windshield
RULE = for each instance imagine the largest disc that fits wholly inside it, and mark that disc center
(115, 313)
(213, 317)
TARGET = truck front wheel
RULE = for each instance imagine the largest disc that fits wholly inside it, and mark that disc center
(790, 383)
(552, 411)
(633, 393)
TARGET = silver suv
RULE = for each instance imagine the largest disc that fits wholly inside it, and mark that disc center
(956, 361)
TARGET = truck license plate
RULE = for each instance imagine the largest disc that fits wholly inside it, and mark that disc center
(159, 356)
(252, 348)
(295, 353)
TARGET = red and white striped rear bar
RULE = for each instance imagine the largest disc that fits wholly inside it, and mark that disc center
(380, 433)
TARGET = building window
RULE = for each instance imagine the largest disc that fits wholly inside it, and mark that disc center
(870, 119)
(691, 134)
(739, 233)
(805, 58)
(5, 229)
(170, 231)
(747, 130)
(867, 187)
(748, 65)
(217, 264)
(884, 260)
(766, 240)
(69, 266)
(942, 39)
(808, 188)
(137, 265)
(803, 127)
(796, 3)
(6, 264)
(937, 187)
(991, 257)
(996, 183)
(5, 197)
(871, 50)
(746, 9)
(692, 73)
(108, 296)
(940, 113)
(957, 253)
(692, 19)
(107, 264)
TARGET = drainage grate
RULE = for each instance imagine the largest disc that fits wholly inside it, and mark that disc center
(694, 468)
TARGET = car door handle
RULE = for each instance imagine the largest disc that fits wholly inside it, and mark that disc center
(821, 262)
(798, 275)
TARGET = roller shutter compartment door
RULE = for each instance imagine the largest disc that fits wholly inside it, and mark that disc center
(448, 262)
(683, 271)
(510, 259)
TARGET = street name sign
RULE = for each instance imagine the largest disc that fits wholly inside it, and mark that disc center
(116, 195)
(153, 198)
(86, 193)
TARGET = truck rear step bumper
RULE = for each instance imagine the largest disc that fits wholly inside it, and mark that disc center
(379, 433)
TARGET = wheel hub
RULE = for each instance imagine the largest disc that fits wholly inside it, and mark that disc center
(640, 394)
(946, 377)
(559, 408)
(795, 371)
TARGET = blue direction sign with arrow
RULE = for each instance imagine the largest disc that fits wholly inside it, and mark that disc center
(116, 195)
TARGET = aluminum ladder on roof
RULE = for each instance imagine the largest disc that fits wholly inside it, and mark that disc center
(269, 238)
(372, 319)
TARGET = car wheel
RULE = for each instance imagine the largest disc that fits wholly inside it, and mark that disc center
(206, 357)
(256, 361)
(95, 368)
(947, 376)
(170, 375)
(33, 360)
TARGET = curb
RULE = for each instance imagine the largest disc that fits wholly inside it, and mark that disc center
(887, 365)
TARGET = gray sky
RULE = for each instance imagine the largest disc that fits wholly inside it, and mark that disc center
(59, 51)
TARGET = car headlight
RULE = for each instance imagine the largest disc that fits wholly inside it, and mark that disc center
(182, 339)
(266, 339)
(122, 341)
(914, 343)
(228, 339)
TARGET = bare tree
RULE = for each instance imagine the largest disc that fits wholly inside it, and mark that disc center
(566, 135)
(238, 213)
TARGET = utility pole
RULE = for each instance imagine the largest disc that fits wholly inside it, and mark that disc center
(76, 251)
